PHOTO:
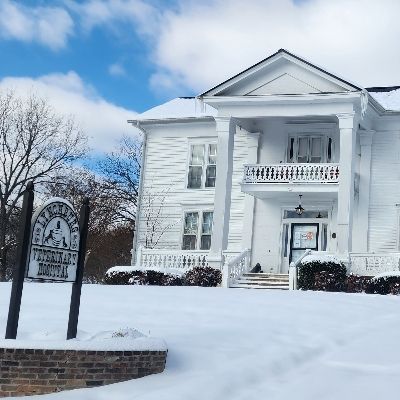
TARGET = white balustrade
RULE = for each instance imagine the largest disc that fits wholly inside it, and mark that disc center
(234, 266)
(291, 173)
(178, 260)
(371, 264)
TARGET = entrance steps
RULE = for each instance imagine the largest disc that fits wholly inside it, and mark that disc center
(262, 280)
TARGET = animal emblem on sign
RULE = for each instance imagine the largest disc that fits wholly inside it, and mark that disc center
(56, 237)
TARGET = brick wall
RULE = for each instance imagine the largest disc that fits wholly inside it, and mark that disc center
(27, 371)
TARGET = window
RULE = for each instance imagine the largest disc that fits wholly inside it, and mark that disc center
(202, 166)
(195, 235)
(310, 149)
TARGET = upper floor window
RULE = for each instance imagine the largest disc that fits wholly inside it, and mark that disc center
(197, 230)
(310, 149)
(202, 166)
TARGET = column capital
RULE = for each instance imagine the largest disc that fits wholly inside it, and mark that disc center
(347, 120)
(366, 137)
(223, 123)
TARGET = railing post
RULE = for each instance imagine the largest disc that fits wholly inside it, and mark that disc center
(292, 276)
(225, 275)
(139, 257)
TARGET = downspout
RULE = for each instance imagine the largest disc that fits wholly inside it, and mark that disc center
(136, 124)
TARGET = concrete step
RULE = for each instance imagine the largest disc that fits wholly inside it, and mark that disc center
(241, 286)
(259, 280)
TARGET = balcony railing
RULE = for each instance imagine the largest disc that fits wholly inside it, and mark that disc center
(291, 173)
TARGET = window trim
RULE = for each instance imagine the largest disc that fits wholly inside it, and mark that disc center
(206, 143)
(200, 210)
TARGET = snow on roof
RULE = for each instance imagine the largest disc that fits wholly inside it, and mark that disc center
(389, 98)
(181, 107)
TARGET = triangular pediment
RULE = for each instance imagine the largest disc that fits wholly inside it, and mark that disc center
(281, 73)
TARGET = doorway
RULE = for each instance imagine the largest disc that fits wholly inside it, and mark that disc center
(304, 236)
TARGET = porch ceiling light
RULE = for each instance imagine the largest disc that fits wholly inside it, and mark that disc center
(299, 209)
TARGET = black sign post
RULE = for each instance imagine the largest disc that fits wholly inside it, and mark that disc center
(22, 255)
(77, 285)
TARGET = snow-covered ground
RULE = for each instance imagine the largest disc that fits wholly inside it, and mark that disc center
(233, 343)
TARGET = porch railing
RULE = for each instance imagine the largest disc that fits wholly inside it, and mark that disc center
(371, 264)
(291, 173)
(234, 267)
(164, 260)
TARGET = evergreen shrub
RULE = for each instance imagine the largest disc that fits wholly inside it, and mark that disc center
(203, 276)
(357, 283)
(384, 285)
(122, 277)
(329, 276)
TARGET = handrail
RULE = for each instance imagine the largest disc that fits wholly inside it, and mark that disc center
(291, 173)
(234, 267)
(293, 270)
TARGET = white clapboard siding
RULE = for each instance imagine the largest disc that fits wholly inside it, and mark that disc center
(237, 196)
(166, 172)
(385, 192)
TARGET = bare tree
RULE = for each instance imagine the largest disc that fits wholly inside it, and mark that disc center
(109, 242)
(35, 142)
(155, 222)
(121, 171)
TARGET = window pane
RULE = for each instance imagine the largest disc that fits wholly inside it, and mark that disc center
(211, 174)
(285, 238)
(205, 242)
(194, 177)
(291, 149)
(207, 222)
(316, 150)
(189, 242)
(302, 151)
(329, 158)
(212, 154)
(191, 223)
(197, 154)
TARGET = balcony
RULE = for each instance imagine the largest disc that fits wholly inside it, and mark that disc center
(259, 179)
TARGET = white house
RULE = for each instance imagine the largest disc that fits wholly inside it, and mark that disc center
(224, 172)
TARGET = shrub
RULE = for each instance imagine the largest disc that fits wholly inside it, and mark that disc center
(203, 276)
(389, 284)
(154, 278)
(356, 283)
(121, 277)
(327, 275)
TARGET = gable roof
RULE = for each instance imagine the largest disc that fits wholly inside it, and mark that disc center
(269, 59)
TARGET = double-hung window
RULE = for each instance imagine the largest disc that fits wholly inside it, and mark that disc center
(202, 166)
(197, 230)
(310, 149)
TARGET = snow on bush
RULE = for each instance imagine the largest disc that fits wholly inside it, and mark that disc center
(385, 283)
(203, 276)
(316, 273)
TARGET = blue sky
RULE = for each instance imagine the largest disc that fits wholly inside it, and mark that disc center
(107, 60)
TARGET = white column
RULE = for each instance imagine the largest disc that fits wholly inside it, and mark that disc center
(361, 233)
(347, 130)
(223, 184)
(249, 201)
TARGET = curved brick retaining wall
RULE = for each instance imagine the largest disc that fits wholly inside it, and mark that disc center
(28, 371)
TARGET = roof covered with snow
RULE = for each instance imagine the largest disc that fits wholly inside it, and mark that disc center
(387, 97)
(180, 107)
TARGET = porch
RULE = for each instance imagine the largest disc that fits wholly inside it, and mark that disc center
(236, 265)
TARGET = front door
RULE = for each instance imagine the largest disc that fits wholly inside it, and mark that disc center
(304, 236)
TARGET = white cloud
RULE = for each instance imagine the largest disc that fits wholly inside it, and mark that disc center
(116, 70)
(49, 26)
(141, 15)
(204, 43)
(103, 122)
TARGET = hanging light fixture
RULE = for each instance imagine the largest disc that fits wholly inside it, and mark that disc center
(319, 214)
(299, 209)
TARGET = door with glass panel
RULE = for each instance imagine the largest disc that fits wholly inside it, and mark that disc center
(304, 237)
(310, 149)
